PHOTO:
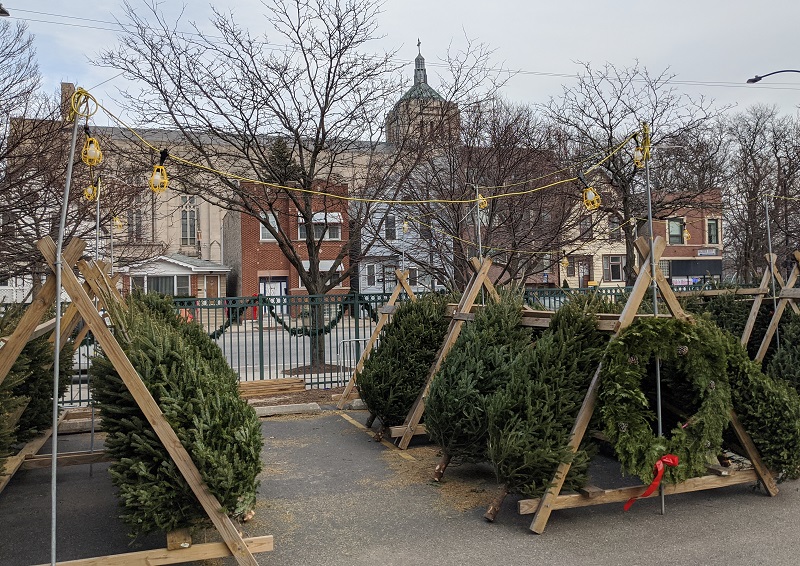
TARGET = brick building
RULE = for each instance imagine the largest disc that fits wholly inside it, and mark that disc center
(257, 262)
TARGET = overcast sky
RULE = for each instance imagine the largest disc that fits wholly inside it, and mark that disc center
(712, 46)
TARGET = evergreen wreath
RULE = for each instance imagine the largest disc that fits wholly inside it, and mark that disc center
(694, 377)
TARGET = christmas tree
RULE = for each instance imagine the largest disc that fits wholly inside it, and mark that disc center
(198, 395)
(396, 371)
(478, 364)
(785, 363)
(531, 417)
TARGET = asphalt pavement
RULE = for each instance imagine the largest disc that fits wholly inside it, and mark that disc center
(332, 495)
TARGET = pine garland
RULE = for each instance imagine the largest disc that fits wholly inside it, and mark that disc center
(694, 371)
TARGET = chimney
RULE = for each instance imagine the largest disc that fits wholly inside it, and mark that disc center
(67, 90)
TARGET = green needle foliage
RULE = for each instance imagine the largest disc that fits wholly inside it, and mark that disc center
(785, 363)
(531, 417)
(396, 371)
(198, 393)
(478, 364)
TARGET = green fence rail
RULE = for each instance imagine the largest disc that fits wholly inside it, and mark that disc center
(317, 337)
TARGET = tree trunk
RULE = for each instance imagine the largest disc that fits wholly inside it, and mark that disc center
(494, 508)
(317, 313)
(441, 467)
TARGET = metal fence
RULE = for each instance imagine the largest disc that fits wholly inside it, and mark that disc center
(318, 337)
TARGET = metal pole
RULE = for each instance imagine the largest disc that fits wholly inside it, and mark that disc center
(655, 306)
(478, 222)
(771, 274)
(57, 344)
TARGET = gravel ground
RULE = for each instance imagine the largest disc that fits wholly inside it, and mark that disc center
(331, 495)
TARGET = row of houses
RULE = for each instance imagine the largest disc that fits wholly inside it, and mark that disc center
(182, 245)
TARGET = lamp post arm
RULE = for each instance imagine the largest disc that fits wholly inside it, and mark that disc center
(759, 77)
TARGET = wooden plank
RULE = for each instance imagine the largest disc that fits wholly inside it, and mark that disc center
(266, 387)
(753, 455)
(65, 459)
(14, 463)
(402, 280)
(465, 316)
(488, 285)
(35, 311)
(149, 407)
(162, 556)
(640, 288)
(776, 318)
(467, 299)
(756, 306)
(717, 292)
(179, 538)
(667, 295)
(790, 293)
(396, 431)
(573, 500)
(591, 491)
(365, 353)
(387, 309)
(576, 436)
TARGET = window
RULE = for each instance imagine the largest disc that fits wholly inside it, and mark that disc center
(189, 220)
(182, 286)
(412, 276)
(265, 234)
(613, 267)
(585, 227)
(571, 267)
(164, 284)
(390, 229)
(663, 265)
(7, 227)
(371, 275)
(614, 230)
(137, 283)
(324, 267)
(675, 230)
(713, 231)
(135, 233)
(326, 225)
(5, 280)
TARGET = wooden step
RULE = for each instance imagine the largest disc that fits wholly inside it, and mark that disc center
(269, 387)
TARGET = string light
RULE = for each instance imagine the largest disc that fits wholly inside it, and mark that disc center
(159, 181)
(90, 193)
(91, 154)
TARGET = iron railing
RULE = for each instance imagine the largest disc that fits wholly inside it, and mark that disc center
(317, 337)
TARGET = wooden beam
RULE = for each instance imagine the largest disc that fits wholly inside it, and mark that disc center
(753, 455)
(573, 500)
(35, 311)
(717, 292)
(467, 299)
(490, 288)
(65, 459)
(13, 463)
(149, 407)
(667, 294)
(402, 279)
(776, 317)
(787, 293)
(639, 290)
(162, 556)
(348, 393)
(763, 289)
(397, 431)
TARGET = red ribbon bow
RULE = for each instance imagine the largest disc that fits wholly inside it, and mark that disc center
(669, 460)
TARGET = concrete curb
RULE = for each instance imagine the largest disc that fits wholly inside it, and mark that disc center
(296, 409)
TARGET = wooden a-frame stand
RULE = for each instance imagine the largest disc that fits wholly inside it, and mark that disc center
(97, 283)
(552, 499)
(386, 311)
(462, 313)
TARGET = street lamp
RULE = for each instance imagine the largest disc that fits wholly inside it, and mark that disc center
(757, 78)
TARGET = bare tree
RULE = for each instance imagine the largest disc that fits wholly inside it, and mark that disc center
(764, 167)
(34, 150)
(605, 106)
(315, 85)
